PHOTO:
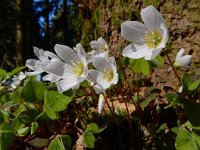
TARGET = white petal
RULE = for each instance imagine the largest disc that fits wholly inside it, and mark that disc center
(51, 55)
(80, 51)
(30, 63)
(67, 54)
(56, 68)
(134, 31)
(33, 73)
(185, 60)
(94, 45)
(116, 79)
(152, 18)
(98, 88)
(165, 35)
(51, 78)
(66, 84)
(152, 54)
(101, 103)
(100, 63)
(40, 54)
(101, 81)
(21, 76)
(141, 52)
(179, 54)
(128, 50)
(102, 41)
(92, 75)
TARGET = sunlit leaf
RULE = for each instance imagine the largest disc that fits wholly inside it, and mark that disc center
(39, 142)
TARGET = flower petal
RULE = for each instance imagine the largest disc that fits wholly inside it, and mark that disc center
(152, 54)
(67, 54)
(141, 51)
(92, 76)
(56, 68)
(134, 31)
(101, 80)
(100, 63)
(66, 84)
(165, 35)
(98, 88)
(33, 73)
(51, 78)
(40, 54)
(185, 60)
(179, 54)
(101, 103)
(152, 18)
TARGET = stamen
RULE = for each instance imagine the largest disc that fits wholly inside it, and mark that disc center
(78, 68)
(153, 39)
(108, 75)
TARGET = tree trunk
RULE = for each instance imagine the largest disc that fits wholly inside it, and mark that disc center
(19, 33)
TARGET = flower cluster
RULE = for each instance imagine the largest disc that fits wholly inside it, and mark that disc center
(148, 39)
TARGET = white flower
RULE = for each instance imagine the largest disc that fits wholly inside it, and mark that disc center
(16, 80)
(182, 61)
(38, 66)
(101, 103)
(72, 71)
(148, 38)
(105, 75)
(98, 46)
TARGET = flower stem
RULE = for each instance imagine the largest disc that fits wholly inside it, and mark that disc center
(176, 74)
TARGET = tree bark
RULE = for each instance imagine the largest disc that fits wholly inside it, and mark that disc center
(19, 32)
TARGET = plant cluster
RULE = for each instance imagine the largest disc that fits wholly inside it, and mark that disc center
(74, 100)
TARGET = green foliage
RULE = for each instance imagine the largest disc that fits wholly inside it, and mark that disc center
(55, 102)
(88, 135)
(140, 66)
(185, 140)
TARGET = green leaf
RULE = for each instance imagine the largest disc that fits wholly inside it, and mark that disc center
(140, 66)
(33, 90)
(192, 111)
(42, 117)
(2, 73)
(158, 61)
(146, 102)
(34, 126)
(89, 139)
(28, 116)
(187, 82)
(172, 98)
(7, 135)
(23, 131)
(14, 71)
(93, 128)
(67, 141)
(194, 85)
(55, 102)
(5, 115)
(185, 140)
(39, 142)
(56, 144)
(88, 136)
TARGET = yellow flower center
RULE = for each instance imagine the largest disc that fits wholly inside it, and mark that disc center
(103, 47)
(153, 39)
(78, 69)
(108, 75)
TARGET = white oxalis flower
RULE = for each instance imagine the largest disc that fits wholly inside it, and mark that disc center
(105, 75)
(16, 80)
(38, 66)
(98, 46)
(101, 102)
(74, 68)
(147, 39)
(182, 61)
